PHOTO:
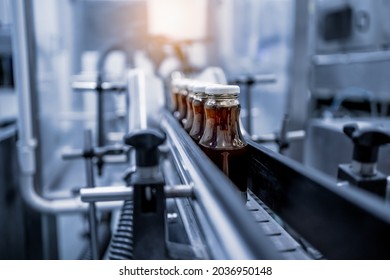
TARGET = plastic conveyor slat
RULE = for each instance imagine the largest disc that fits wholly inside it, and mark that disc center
(285, 244)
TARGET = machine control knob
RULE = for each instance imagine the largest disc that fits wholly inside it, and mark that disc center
(367, 141)
(146, 142)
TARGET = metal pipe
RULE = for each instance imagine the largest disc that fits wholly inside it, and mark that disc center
(65, 205)
(27, 143)
(291, 136)
(349, 58)
(111, 86)
(126, 193)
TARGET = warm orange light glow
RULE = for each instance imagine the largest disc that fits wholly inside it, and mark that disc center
(178, 19)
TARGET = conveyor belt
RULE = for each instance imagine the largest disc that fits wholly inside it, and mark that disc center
(285, 244)
(188, 159)
(341, 222)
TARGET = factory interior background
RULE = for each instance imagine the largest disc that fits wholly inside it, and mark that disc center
(95, 162)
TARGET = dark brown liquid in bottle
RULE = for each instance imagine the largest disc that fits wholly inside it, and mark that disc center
(175, 101)
(232, 162)
(199, 118)
(190, 113)
(223, 143)
(182, 107)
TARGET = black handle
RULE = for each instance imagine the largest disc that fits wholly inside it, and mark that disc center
(367, 141)
(146, 143)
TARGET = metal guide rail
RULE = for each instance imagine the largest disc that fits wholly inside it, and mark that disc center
(252, 228)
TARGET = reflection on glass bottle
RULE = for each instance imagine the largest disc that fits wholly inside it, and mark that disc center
(183, 92)
(175, 96)
(190, 113)
(200, 98)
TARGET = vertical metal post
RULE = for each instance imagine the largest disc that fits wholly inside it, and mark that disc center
(283, 142)
(92, 219)
(100, 121)
(299, 69)
(248, 99)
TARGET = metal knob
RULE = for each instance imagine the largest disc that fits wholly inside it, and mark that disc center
(367, 141)
(146, 143)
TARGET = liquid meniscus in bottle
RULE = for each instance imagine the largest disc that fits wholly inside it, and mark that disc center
(222, 140)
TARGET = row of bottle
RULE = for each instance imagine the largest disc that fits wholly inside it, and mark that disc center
(210, 113)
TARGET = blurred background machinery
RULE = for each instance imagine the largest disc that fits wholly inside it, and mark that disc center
(77, 76)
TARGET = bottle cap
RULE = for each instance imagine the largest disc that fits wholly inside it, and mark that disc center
(222, 90)
(200, 87)
(190, 85)
(182, 84)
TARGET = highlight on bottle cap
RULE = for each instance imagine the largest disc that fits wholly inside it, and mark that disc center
(222, 89)
(191, 84)
(200, 87)
(182, 83)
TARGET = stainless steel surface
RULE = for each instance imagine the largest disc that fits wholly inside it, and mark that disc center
(27, 143)
(369, 30)
(113, 193)
(291, 136)
(349, 58)
(187, 215)
(145, 100)
(109, 86)
(258, 78)
(361, 59)
(298, 88)
(364, 169)
(326, 145)
(45, 61)
(110, 193)
(249, 82)
(102, 24)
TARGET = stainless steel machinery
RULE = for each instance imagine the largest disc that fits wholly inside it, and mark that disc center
(151, 193)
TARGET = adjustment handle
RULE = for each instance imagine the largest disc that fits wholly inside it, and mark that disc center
(367, 141)
(146, 142)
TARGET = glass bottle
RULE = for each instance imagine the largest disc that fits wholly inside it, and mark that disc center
(190, 113)
(183, 92)
(222, 140)
(200, 98)
(175, 96)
